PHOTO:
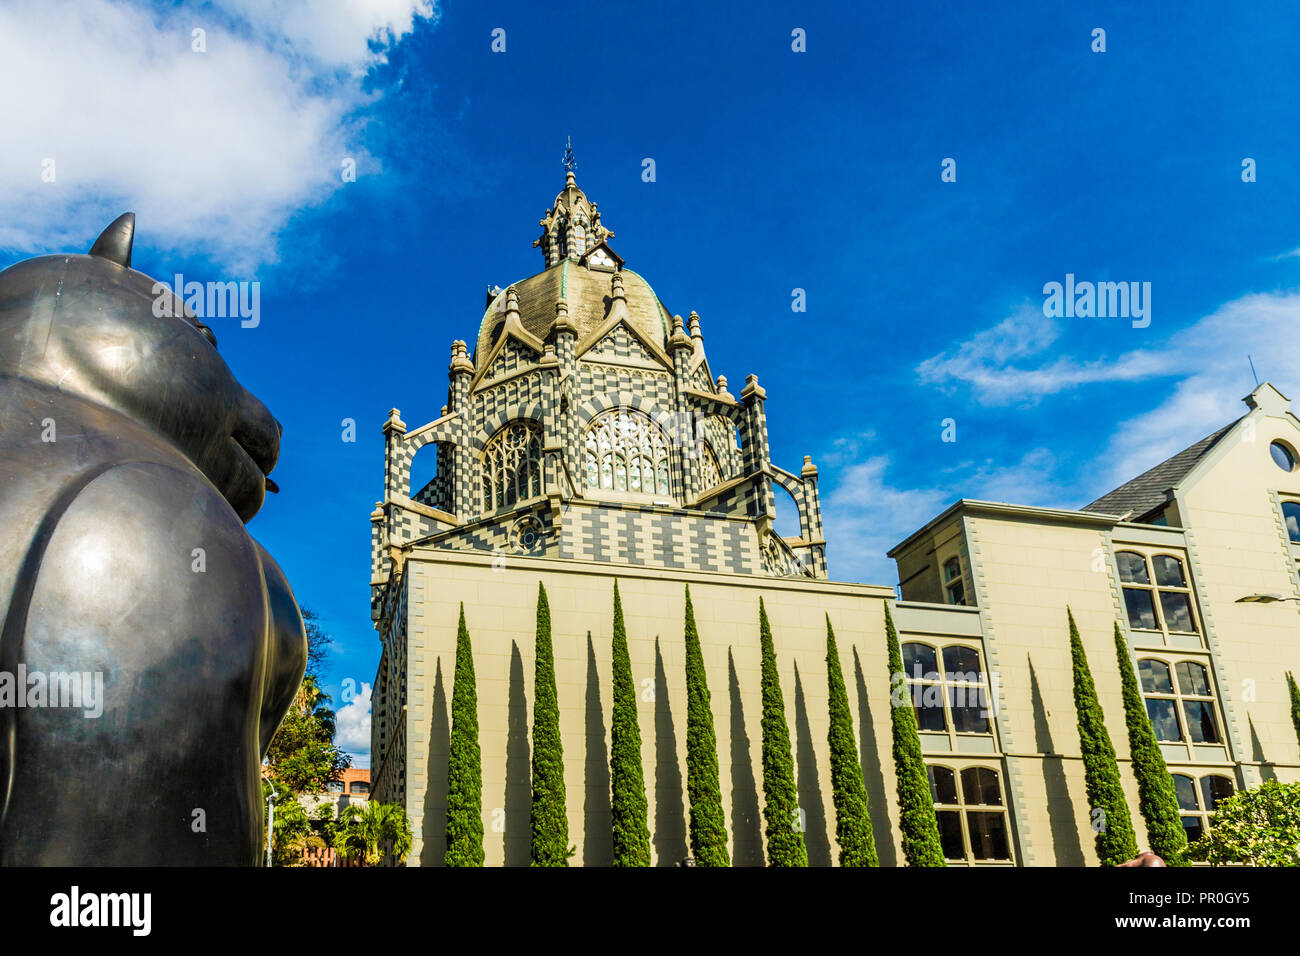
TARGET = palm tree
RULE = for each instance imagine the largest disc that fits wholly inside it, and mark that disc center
(365, 830)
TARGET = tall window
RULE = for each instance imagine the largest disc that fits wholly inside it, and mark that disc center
(1197, 803)
(955, 697)
(972, 818)
(1180, 701)
(512, 465)
(579, 239)
(710, 473)
(626, 451)
(954, 586)
(1291, 515)
(1166, 589)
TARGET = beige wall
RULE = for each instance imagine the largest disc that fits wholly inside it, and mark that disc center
(1027, 573)
(1240, 547)
(500, 609)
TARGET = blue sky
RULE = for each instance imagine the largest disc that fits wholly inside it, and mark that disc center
(775, 170)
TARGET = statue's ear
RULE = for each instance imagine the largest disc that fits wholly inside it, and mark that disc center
(114, 243)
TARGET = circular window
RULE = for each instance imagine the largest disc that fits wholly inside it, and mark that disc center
(1283, 456)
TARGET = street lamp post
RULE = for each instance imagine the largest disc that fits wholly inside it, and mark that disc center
(270, 818)
(1264, 599)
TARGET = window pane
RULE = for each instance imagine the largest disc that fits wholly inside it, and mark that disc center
(1282, 456)
(969, 709)
(1141, 612)
(943, 784)
(951, 569)
(1192, 679)
(979, 785)
(957, 594)
(1291, 512)
(1155, 677)
(1164, 720)
(1132, 568)
(1193, 828)
(1215, 789)
(1177, 609)
(1169, 571)
(919, 660)
(962, 663)
(1201, 724)
(988, 836)
(950, 835)
(927, 704)
(1185, 787)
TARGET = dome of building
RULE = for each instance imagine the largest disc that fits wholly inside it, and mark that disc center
(587, 290)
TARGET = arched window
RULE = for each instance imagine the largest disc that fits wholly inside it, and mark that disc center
(1171, 590)
(579, 239)
(1183, 709)
(512, 465)
(626, 451)
(1196, 805)
(972, 819)
(955, 697)
(710, 473)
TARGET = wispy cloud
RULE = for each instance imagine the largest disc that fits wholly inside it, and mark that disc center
(872, 504)
(1003, 365)
(110, 107)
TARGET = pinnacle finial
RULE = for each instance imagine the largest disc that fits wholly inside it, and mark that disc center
(570, 164)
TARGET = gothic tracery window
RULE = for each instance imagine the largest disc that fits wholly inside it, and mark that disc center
(626, 451)
(710, 473)
(512, 465)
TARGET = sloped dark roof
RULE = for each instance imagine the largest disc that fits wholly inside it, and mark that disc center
(1150, 490)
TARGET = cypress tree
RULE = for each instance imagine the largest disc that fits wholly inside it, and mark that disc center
(627, 780)
(464, 768)
(785, 846)
(917, 822)
(550, 822)
(1295, 702)
(1157, 800)
(708, 825)
(848, 791)
(1109, 814)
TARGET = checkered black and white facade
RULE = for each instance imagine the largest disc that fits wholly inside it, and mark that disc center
(570, 366)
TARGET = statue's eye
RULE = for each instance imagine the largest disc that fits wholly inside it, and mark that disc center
(208, 334)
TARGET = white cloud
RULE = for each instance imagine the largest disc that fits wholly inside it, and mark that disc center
(352, 723)
(865, 514)
(1204, 373)
(998, 365)
(214, 151)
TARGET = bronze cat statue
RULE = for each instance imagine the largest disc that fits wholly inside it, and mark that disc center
(149, 646)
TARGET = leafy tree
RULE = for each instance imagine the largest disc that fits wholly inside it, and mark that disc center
(708, 825)
(292, 829)
(848, 791)
(1157, 800)
(550, 822)
(318, 642)
(302, 757)
(627, 778)
(917, 820)
(464, 766)
(1257, 827)
(1110, 817)
(785, 846)
(366, 831)
(1295, 702)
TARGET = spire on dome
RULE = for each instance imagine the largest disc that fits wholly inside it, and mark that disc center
(572, 225)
